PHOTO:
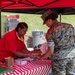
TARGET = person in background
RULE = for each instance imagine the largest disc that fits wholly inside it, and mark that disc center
(12, 43)
(60, 42)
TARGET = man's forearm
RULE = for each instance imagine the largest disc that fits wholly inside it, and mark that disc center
(19, 54)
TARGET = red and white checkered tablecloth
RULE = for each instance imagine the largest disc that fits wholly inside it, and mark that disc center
(39, 67)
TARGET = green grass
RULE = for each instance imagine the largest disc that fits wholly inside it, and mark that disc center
(34, 21)
(69, 19)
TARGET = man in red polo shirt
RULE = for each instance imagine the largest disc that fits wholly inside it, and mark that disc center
(12, 43)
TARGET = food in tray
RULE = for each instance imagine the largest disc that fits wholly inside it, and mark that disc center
(37, 51)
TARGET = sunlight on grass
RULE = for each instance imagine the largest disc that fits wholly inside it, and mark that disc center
(34, 20)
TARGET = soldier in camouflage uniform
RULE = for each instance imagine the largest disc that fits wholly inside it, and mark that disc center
(61, 45)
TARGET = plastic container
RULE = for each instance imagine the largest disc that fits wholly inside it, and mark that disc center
(37, 38)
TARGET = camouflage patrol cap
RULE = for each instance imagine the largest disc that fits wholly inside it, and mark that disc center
(45, 15)
(49, 15)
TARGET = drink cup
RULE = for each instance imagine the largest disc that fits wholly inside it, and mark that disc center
(9, 61)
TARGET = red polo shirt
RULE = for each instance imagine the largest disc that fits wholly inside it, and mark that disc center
(9, 43)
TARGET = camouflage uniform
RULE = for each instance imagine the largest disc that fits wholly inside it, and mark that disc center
(61, 36)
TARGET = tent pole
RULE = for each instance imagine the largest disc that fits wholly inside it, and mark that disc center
(0, 23)
(60, 17)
